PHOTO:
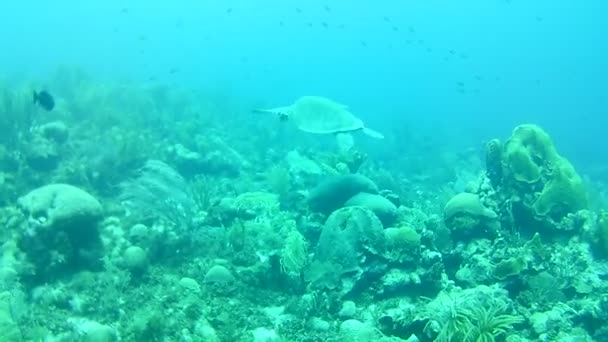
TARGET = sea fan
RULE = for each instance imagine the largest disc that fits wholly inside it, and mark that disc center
(158, 192)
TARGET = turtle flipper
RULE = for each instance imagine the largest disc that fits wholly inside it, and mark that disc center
(282, 112)
(374, 134)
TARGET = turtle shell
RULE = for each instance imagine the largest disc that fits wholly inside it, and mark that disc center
(315, 114)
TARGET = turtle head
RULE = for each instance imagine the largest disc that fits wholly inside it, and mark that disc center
(282, 113)
(283, 116)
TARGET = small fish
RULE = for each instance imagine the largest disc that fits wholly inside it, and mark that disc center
(299, 10)
(229, 10)
(327, 9)
(325, 25)
(44, 99)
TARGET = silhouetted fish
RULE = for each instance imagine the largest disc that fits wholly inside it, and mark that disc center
(44, 99)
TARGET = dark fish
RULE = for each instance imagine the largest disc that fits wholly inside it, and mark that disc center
(325, 25)
(229, 10)
(44, 99)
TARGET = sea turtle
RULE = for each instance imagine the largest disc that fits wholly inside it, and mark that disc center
(320, 115)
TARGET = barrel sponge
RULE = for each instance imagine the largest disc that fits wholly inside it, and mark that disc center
(528, 152)
(563, 193)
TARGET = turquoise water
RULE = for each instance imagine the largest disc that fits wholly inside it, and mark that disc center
(153, 126)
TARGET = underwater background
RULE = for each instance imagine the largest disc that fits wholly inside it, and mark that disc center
(145, 197)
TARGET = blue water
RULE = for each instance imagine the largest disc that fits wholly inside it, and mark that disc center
(460, 71)
(185, 219)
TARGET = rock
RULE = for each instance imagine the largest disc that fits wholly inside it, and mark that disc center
(466, 217)
(300, 165)
(348, 310)
(467, 204)
(41, 154)
(334, 192)
(218, 275)
(354, 330)
(382, 207)
(135, 259)
(56, 131)
(265, 335)
(190, 285)
(91, 331)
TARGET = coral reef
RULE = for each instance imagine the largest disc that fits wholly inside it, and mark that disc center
(169, 215)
